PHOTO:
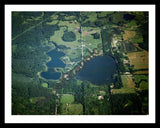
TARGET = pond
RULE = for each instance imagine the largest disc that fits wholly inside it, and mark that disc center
(99, 70)
(128, 16)
(54, 63)
(51, 74)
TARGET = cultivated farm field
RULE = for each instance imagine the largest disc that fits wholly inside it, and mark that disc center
(139, 59)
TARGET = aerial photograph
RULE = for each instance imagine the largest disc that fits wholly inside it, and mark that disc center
(80, 63)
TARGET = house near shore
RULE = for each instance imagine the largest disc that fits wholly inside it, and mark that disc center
(112, 86)
(125, 61)
(100, 97)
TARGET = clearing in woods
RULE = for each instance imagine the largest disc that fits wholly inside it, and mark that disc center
(69, 107)
(128, 85)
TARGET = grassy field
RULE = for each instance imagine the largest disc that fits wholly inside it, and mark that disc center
(68, 106)
(128, 85)
(127, 81)
(57, 38)
(45, 85)
(89, 41)
(72, 109)
(67, 98)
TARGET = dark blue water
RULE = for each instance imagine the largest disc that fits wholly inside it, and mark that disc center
(51, 74)
(99, 70)
(55, 62)
(128, 16)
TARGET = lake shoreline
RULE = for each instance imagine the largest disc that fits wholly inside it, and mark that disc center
(57, 61)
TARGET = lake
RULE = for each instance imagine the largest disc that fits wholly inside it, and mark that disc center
(99, 70)
(55, 62)
(51, 74)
